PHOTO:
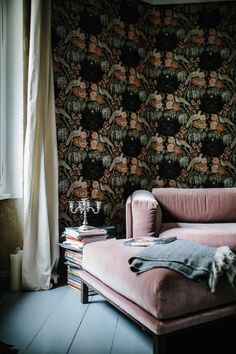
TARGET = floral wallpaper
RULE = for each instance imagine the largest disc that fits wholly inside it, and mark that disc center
(145, 97)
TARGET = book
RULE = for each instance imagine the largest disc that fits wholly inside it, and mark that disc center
(147, 241)
(76, 233)
(70, 246)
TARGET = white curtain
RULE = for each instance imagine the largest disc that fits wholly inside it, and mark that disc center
(40, 250)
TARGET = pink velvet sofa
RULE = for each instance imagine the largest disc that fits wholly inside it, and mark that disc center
(161, 300)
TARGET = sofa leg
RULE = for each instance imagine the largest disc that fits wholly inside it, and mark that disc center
(159, 344)
(84, 293)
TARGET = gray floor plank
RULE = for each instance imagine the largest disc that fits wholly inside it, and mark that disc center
(57, 333)
(96, 333)
(20, 322)
(130, 338)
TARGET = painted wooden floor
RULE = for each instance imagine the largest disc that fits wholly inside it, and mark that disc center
(55, 322)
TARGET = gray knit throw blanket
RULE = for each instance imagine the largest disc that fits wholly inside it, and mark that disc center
(202, 263)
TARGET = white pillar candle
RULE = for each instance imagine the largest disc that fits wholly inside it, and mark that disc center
(16, 267)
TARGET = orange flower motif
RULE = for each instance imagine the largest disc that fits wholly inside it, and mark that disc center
(221, 171)
(131, 79)
(211, 39)
(82, 36)
(200, 167)
(159, 147)
(167, 21)
(122, 168)
(84, 185)
(219, 85)
(93, 39)
(212, 31)
(121, 121)
(99, 100)
(169, 55)
(168, 63)
(197, 81)
(218, 42)
(133, 169)
(82, 94)
(80, 142)
(172, 183)
(214, 117)
(83, 135)
(78, 43)
(120, 75)
(82, 85)
(139, 172)
(94, 87)
(212, 82)
(213, 125)
(170, 97)
(101, 196)
(93, 95)
(133, 124)
(177, 150)
(171, 140)
(131, 35)
(100, 148)
(170, 147)
(214, 168)
(94, 193)
(169, 105)
(176, 107)
(95, 184)
(220, 128)
(92, 47)
(204, 160)
(174, 66)
(95, 135)
(98, 52)
(132, 71)
(199, 124)
(80, 193)
(76, 91)
(161, 183)
(94, 144)
(215, 160)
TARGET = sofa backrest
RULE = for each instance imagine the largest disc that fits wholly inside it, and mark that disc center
(197, 205)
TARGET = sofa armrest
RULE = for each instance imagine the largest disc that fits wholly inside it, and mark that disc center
(143, 215)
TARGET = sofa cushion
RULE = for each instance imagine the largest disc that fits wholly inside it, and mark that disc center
(142, 207)
(161, 292)
(212, 234)
(197, 205)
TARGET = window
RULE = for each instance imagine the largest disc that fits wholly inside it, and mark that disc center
(2, 97)
(11, 98)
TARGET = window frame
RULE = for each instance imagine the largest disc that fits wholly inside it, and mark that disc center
(3, 53)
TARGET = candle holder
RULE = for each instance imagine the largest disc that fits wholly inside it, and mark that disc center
(84, 206)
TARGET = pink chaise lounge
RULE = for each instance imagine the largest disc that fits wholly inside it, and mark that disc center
(161, 300)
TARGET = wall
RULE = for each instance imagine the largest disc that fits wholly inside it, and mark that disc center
(145, 97)
(11, 226)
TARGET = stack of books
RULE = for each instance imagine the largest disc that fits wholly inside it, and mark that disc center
(74, 242)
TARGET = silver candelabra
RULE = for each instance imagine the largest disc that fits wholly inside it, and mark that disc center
(84, 205)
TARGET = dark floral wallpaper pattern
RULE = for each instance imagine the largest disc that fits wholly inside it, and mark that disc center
(145, 97)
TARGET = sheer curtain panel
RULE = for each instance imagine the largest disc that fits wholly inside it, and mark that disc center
(40, 251)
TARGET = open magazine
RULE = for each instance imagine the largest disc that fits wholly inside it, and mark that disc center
(147, 241)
